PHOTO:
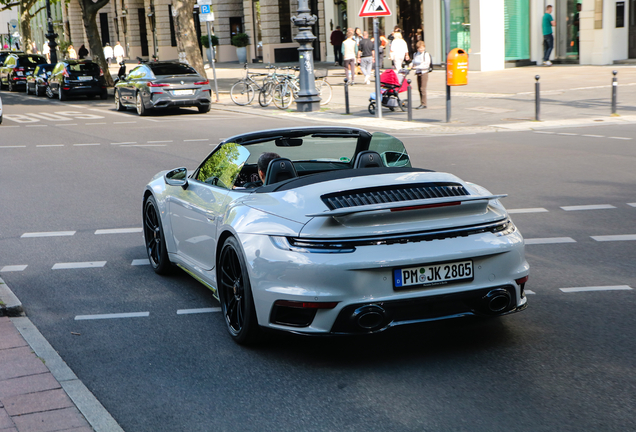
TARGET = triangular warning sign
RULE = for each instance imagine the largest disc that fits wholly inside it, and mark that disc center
(372, 8)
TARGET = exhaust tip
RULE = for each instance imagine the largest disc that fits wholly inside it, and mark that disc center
(369, 318)
(497, 300)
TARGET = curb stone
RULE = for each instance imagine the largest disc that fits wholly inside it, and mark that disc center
(88, 405)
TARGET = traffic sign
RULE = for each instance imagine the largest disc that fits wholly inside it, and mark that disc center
(206, 17)
(14, 24)
(204, 9)
(373, 8)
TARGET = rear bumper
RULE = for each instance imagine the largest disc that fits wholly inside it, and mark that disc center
(83, 90)
(168, 102)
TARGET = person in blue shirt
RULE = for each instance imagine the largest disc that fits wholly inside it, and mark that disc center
(548, 37)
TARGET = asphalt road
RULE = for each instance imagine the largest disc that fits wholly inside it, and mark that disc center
(566, 363)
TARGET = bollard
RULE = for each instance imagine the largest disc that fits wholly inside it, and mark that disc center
(347, 97)
(537, 99)
(409, 107)
(614, 85)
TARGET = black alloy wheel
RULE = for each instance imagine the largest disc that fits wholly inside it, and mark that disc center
(154, 238)
(235, 294)
(139, 104)
(49, 92)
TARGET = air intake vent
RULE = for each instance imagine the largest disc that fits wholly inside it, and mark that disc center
(393, 193)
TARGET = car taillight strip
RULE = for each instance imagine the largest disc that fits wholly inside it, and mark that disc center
(383, 195)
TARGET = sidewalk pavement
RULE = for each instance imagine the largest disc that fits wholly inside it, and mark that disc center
(571, 95)
(38, 391)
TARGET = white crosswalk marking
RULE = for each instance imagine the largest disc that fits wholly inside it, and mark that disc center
(549, 240)
(623, 237)
(588, 207)
(78, 265)
(112, 316)
(48, 234)
(597, 288)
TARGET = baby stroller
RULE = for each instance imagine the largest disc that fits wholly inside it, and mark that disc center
(391, 85)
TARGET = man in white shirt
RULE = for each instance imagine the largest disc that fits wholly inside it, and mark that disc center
(108, 53)
(118, 51)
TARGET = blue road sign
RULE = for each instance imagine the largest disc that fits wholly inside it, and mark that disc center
(204, 9)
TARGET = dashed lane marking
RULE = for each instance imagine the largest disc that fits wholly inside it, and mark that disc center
(597, 288)
(198, 311)
(195, 140)
(50, 145)
(48, 234)
(594, 136)
(624, 237)
(631, 204)
(527, 210)
(588, 207)
(143, 145)
(130, 122)
(549, 240)
(112, 316)
(529, 292)
(620, 138)
(567, 134)
(142, 261)
(158, 142)
(13, 268)
(118, 231)
(124, 143)
(85, 145)
(78, 265)
(15, 146)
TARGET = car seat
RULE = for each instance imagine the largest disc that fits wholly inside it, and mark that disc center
(280, 169)
(368, 159)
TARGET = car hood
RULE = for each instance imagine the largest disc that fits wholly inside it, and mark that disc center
(305, 205)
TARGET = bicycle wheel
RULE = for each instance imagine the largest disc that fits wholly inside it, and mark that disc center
(242, 93)
(282, 96)
(324, 91)
(266, 94)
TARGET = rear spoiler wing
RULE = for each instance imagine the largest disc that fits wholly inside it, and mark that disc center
(409, 205)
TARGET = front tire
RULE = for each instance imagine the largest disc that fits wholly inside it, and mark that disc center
(282, 96)
(155, 239)
(242, 93)
(235, 294)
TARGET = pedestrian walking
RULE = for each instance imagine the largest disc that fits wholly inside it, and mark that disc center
(399, 50)
(71, 53)
(337, 37)
(548, 37)
(108, 53)
(422, 63)
(349, 54)
(46, 51)
(83, 52)
(366, 56)
(118, 52)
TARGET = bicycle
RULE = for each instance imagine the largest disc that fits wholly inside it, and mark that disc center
(244, 90)
(266, 94)
(286, 91)
(323, 87)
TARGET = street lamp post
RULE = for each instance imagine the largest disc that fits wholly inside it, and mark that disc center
(308, 99)
(51, 35)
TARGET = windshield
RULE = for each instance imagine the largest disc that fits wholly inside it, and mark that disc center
(31, 61)
(308, 148)
(83, 67)
(172, 69)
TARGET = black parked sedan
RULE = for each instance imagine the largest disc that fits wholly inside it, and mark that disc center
(37, 81)
(16, 68)
(75, 78)
(162, 85)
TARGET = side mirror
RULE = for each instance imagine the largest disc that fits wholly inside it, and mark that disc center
(177, 177)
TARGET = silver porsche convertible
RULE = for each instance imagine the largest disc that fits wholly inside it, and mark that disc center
(338, 234)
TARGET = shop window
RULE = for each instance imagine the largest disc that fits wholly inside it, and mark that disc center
(284, 19)
(236, 26)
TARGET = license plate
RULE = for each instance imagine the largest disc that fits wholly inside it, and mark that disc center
(433, 274)
(85, 78)
(182, 92)
(19, 73)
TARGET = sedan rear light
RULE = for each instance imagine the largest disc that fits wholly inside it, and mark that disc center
(65, 73)
(101, 72)
(152, 84)
(21, 69)
(206, 82)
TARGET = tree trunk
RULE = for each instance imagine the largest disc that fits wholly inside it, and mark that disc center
(89, 16)
(25, 25)
(186, 33)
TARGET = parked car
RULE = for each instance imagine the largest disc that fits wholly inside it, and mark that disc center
(342, 236)
(16, 68)
(39, 79)
(162, 85)
(5, 53)
(76, 78)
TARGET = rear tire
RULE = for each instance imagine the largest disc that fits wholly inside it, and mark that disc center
(235, 294)
(204, 109)
(139, 103)
(282, 96)
(61, 95)
(118, 104)
(103, 95)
